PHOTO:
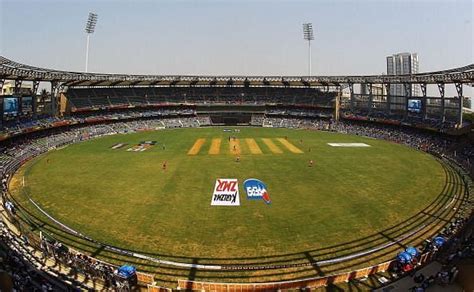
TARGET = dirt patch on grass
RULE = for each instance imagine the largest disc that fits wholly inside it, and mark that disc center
(16, 181)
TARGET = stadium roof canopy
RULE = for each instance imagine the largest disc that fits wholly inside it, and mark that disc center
(16, 71)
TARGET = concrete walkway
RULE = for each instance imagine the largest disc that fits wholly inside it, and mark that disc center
(407, 282)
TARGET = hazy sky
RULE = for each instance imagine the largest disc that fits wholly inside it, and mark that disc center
(237, 37)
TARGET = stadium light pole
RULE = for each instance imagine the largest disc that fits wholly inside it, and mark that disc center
(90, 28)
(309, 36)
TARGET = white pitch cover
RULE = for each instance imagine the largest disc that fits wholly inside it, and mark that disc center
(348, 145)
(226, 192)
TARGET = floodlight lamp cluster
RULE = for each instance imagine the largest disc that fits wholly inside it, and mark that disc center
(308, 31)
(91, 22)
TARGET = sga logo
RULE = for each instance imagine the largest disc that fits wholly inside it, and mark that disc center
(256, 190)
(226, 192)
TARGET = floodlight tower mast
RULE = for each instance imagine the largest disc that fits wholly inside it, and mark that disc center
(309, 36)
(90, 28)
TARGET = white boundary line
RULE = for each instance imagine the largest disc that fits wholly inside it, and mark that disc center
(220, 267)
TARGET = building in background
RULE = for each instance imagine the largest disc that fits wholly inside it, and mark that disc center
(379, 94)
(9, 88)
(377, 89)
(400, 64)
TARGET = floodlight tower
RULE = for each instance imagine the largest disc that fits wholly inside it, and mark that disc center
(308, 35)
(90, 28)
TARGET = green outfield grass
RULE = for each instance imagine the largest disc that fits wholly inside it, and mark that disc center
(127, 199)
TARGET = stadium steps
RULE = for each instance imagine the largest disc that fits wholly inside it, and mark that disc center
(99, 102)
(80, 102)
(53, 268)
(135, 100)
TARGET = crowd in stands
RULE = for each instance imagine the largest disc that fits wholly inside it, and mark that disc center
(301, 113)
(292, 123)
(257, 120)
(26, 125)
(410, 119)
(459, 248)
(29, 271)
(23, 271)
(89, 267)
(30, 124)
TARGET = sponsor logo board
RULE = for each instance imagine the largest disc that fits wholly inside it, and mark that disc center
(226, 192)
(256, 190)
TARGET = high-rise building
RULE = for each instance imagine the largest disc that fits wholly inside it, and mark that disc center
(400, 64)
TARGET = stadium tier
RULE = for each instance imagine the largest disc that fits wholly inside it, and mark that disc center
(82, 98)
(360, 95)
(230, 183)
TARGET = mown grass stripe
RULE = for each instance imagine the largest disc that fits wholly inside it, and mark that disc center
(253, 146)
(234, 146)
(215, 146)
(290, 146)
(272, 146)
(197, 146)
